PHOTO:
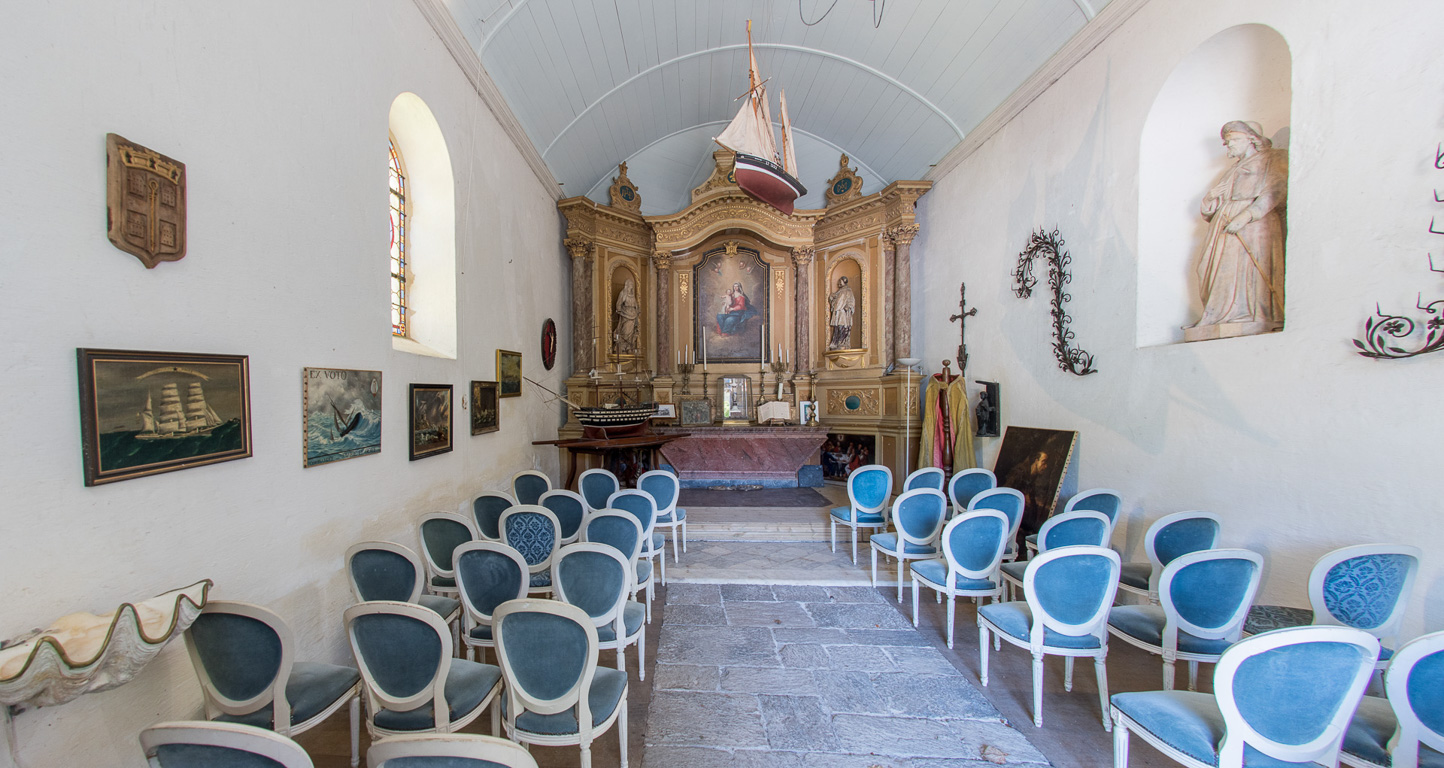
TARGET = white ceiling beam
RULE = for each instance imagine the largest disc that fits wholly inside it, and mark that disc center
(1087, 9)
(455, 41)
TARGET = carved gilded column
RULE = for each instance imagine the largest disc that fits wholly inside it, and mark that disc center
(889, 301)
(802, 323)
(581, 250)
(662, 260)
(902, 315)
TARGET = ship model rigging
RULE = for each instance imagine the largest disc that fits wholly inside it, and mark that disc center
(761, 170)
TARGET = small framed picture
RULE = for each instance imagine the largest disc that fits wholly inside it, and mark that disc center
(508, 373)
(485, 410)
(696, 413)
(806, 410)
(341, 412)
(666, 411)
(430, 420)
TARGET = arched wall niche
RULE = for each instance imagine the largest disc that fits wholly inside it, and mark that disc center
(847, 264)
(1242, 73)
(619, 273)
(432, 229)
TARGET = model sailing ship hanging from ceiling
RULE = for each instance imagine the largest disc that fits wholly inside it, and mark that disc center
(761, 170)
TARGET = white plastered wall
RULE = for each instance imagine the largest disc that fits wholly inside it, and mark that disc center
(1300, 444)
(279, 110)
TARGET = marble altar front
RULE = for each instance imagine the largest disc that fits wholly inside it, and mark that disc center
(740, 455)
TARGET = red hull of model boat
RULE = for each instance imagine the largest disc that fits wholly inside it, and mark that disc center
(768, 183)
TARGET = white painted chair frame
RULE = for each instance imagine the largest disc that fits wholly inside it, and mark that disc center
(632, 556)
(436, 691)
(901, 555)
(470, 746)
(575, 697)
(1150, 551)
(1231, 630)
(473, 618)
(923, 471)
(434, 570)
(1009, 553)
(673, 523)
(544, 566)
(648, 552)
(529, 473)
(1237, 732)
(1077, 499)
(217, 703)
(949, 589)
(577, 497)
(244, 738)
(581, 483)
(454, 619)
(958, 506)
(1404, 746)
(467, 509)
(1388, 631)
(854, 510)
(1096, 625)
(1048, 526)
(614, 616)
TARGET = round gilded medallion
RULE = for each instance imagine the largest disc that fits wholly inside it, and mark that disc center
(842, 186)
(627, 193)
(549, 344)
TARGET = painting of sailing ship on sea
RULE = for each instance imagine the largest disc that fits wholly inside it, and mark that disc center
(430, 420)
(485, 410)
(343, 414)
(143, 413)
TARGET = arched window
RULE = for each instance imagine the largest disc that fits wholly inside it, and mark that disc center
(398, 244)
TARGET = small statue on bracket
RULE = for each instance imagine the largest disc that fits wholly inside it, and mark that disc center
(840, 307)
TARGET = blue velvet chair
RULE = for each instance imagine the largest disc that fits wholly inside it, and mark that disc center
(925, 477)
(1105, 500)
(528, 485)
(570, 509)
(868, 490)
(597, 578)
(486, 511)
(1365, 587)
(620, 531)
(1408, 727)
(1280, 698)
(1070, 529)
(488, 573)
(1009, 501)
(1067, 594)
(441, 533)
(204, 744)
(244, 655)
(555, 692)
(665, 489)
(385, 570)
(596, 486)
(413, 685)
(1168, 537)
(640, 504)
(448, 750)
(533, 531)
(966, 484)
(972, 547)
(1205, 597)
(918, 517)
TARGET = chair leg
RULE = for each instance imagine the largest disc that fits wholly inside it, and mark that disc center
(1192, 675)
(355, 730)
(853, 532)
(915, 600)
(1101, 669)
(662, 563)
(586, 754)
(874, 569)
(1120, 746)
(1068, 673)
(642, 656)
(684, 535)
(983, 653)
(834, 534)
(901, 565)
(952, 611)
(1038, 690)
(676, 552)
(496, 715)
(622, 730)
(1168, 673)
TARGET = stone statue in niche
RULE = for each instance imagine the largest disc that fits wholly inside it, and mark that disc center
(840, 306)
(625, 331)
(1241, 268)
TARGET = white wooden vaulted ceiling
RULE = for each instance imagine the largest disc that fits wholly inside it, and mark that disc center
(597, 82)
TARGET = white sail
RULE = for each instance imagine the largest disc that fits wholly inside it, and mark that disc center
(789, 159)
(750, 132)
(147, 416)
(172, 415)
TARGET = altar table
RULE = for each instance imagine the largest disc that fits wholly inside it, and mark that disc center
(742, 455)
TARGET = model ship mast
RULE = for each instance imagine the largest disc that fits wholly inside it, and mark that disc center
(759, 169)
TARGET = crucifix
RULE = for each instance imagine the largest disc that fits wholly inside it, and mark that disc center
(962, 317)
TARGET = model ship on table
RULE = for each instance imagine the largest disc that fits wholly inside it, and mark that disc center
(761, 170)
(619, 419)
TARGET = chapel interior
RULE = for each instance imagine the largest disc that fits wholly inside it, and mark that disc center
(1001, 230)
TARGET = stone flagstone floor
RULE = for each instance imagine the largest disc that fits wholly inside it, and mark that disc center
(759, 676)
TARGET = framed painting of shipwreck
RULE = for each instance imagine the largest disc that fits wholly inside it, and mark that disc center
(342, 412)
(144, 413)
(430, 420)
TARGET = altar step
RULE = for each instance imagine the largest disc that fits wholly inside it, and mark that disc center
(757, 530)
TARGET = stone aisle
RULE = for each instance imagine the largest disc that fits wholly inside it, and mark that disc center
(759, 676)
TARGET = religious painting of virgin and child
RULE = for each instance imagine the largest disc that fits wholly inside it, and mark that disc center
(731, 306)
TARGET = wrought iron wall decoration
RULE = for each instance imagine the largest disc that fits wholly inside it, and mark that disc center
(1049, 245)
(1384, 333)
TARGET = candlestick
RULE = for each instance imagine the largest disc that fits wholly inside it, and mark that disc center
(704, 352)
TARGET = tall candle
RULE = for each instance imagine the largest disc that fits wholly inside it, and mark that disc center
(762, 341)
(704, 349)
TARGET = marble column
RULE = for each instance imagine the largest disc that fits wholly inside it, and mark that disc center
(902, 315)
(889, 300)
(662, 260)
(581, 250)
(802, 322)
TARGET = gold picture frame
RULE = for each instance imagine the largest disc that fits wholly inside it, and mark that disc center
(508, 373)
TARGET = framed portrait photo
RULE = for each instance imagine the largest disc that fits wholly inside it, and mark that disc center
(144, 413)
(430, 420)
(485, 408)
(508, 373)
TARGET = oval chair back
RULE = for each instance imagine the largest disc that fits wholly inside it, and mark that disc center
(1009, 501)
(243, 655)
(1208, 594)
(441, 533)
(1318, 672)
(569, 508)
(596, 486)
(1105, 500)
(869, 488)
(488, 573)
(1073, 529)
(528, 486)
(925, 477)
(620, 530)
(919, 515)
(973, 545)
(968, 483)
(448, 749)
(384, 570)
(190, 743)
(1172, 536)
(1365, 587)
(534, 532)
(663, 487)
(1069, 590)
(594, 577)
(638, 504)
(486, 510)
(1414, 683)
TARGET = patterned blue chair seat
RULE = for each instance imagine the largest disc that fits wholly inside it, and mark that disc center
(467, 684)
(1016, 619)
(863, 518)
(1145, 623)
(888, 541)
(608, 688)
(535, 532)
(935, 572)
(543, 579)
(1365, 587)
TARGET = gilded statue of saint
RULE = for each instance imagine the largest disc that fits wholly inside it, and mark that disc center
(625, 331)
(1241, 268)
(840, 306)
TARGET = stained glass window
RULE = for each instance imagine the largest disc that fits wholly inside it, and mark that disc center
(398, 244)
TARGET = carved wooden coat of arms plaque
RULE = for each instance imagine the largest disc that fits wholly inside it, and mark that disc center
(145, 200)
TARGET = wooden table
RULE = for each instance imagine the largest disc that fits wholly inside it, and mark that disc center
(625, 457)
